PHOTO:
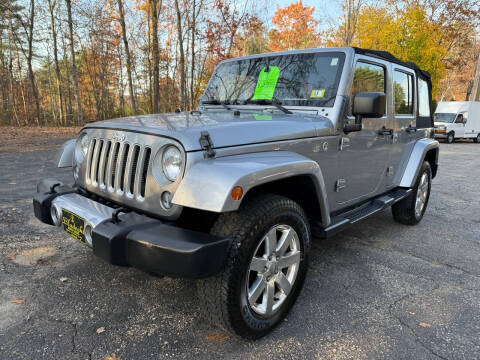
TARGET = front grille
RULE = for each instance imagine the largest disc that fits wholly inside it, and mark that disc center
(118, 167)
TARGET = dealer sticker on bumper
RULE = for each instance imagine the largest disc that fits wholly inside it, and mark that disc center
(73, 225)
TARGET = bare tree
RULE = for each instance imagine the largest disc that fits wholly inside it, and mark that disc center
(156, 55)
(74, 65)
(51, 8)
(127, 54)
(182, 56)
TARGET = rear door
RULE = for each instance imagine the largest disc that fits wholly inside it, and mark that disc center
(403, 118)
(363, 155)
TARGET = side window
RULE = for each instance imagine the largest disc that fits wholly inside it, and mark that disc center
(403, 92)
(423, 99)
(367, 78)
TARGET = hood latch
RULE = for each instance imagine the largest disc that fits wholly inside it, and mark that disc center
(207, 145)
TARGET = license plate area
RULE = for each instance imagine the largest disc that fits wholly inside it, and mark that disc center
(73, 225)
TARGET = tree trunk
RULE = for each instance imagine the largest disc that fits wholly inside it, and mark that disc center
(51, 7)
(127, 53)
(192, 65)
(31, 76)
(156, 60)
(74, 65)
(182, 56)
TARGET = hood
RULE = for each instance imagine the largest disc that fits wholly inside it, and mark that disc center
(224, 127)
(439, 123)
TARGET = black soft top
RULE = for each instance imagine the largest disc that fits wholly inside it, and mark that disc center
(389, 57)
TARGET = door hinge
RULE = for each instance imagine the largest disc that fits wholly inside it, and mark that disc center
(344, 143)
(340, 184)
(206, 145)
(390, 171)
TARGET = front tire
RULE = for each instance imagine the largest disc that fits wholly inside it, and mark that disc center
(410, 210)
(477, 139)
(266, 267)
(450, 138)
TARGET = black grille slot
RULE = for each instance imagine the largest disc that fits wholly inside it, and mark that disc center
(97, 160)
(116, 149)
(133, 172)
(123, 166)
(108, 151)
(143, 179)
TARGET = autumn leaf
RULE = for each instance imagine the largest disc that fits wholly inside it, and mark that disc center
(217, 337)
(425, 325)
(111, 357)
(18, 301)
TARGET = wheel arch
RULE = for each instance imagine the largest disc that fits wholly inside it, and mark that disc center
(423, 150)
(208, 184)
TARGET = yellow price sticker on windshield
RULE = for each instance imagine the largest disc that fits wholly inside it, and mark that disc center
(317, 93)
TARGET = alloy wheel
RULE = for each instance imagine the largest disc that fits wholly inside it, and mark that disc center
(273, 270)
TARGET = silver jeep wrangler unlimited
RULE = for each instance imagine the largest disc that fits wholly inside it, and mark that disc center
(282, 145)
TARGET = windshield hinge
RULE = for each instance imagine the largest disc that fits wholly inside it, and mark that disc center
(207, 145)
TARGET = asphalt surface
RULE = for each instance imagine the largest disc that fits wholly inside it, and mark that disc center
(379, 290)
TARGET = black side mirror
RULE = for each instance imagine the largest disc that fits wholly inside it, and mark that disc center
(369, 104)
(366, 104)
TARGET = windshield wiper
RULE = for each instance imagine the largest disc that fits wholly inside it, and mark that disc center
(275, 103)
(216, 102)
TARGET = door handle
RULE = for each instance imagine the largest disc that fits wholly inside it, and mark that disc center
(411, 129)
(385, 131)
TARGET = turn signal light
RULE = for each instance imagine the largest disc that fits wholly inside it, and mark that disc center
(237, 193)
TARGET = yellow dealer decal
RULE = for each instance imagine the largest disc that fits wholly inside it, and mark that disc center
(317, 93)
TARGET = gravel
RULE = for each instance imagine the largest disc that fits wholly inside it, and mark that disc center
(378, 290)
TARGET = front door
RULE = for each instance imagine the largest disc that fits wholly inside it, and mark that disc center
(459, 126)
(363, 155)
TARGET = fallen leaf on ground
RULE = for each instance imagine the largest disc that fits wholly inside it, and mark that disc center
(111, 357)
(423, 324)
(11, 256)
(217, 337)
(18, 301)
(63, 279)
(100, 330)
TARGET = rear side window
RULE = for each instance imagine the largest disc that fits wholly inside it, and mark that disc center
(367, 78)
(423, 99)
(403, 92)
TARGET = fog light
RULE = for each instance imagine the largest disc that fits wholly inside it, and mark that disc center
(166, 200)
(56, 216)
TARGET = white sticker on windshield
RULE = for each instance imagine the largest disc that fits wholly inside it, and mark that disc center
(334, 62)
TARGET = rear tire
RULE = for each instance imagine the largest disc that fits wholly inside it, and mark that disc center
(410, 210)
(250, 297)
(450, 138)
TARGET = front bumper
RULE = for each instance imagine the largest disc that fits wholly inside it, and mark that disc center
(133, 239)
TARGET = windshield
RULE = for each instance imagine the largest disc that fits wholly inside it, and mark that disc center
(296, 80)
(445, 117)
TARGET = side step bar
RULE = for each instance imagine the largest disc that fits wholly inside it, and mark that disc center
(345, 219)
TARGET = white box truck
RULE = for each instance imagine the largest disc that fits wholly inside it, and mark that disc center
(457, 120)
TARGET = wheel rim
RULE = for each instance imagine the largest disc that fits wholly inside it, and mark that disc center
(273, 270)
(422, 193)
(450, 138)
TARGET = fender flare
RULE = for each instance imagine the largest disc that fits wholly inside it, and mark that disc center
(64, 156)
(415, 160)
(207, 185)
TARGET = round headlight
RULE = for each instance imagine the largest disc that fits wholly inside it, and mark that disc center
(81, 147)
(172, 162)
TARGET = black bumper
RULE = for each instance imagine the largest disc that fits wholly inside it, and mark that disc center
(147, 243)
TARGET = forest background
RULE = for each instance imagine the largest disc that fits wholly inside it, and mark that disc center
(68, 62)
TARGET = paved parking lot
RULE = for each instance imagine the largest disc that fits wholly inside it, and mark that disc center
(379, 290)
